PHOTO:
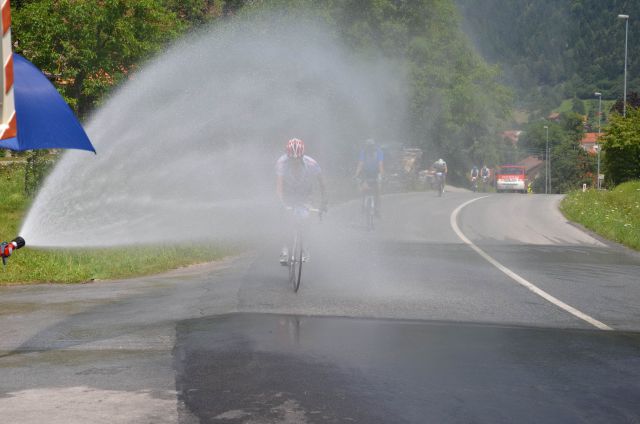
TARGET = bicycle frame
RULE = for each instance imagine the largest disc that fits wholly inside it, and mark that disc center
(369, 210)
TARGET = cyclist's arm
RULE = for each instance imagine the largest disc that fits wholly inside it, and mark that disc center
(359, 168)
(380, 162)
(279, 189)
(323, 193)
(321, 186)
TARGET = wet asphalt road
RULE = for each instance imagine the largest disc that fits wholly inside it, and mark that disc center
(405, 324)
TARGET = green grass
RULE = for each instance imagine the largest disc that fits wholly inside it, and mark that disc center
(29, 265)
(614, 214)
(565, 106)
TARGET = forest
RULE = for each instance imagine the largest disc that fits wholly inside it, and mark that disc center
(555, 50)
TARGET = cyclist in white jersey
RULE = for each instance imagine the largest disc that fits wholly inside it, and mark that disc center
(296, 176)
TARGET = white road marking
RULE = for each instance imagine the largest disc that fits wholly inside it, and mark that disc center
(518, 279)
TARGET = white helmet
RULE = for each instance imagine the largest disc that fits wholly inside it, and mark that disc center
(440, 162)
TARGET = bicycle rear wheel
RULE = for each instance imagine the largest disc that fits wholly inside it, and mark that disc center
(370, 213)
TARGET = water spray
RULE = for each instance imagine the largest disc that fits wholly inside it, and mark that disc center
(7, 248)
(188, 145)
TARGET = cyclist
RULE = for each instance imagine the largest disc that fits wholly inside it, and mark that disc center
(296, 176)
(474, 174)
(370, 170)
(441, 166)
(485, 174)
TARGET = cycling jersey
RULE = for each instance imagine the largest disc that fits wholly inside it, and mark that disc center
(440, 167)
(297, 183)
(371, 163)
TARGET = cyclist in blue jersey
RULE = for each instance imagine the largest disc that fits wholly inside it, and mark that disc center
(370, 171)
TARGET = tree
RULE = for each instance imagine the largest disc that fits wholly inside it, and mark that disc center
(571, 166)
(198, 12)
(621, 146)
(91, 45)
(633, 100)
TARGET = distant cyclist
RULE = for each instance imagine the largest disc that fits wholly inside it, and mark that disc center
(474, 175)
(370, 171)
(296, 176)
(440, 166)
(484, 174)
(475, 172)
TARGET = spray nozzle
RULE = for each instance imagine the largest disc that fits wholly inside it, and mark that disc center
(6, 249)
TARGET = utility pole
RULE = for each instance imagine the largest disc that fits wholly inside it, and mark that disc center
(546, 164)
(626, 42)
(598, 139)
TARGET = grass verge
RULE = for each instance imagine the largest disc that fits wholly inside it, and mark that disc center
(30, 265)
(614, 214)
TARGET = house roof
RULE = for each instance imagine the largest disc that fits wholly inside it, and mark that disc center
(512, 135)
(530, 163)
(589, 138)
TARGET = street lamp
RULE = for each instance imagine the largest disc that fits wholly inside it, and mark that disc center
(599, 95)
(546, 165)
(626, 40)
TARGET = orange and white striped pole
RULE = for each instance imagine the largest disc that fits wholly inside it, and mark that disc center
(8, 126)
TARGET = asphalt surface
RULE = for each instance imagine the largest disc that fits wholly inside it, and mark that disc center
(404, 324)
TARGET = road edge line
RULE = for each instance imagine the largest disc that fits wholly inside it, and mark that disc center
(518, 279)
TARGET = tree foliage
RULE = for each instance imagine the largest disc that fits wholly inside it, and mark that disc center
(571, 165)
(457, 106)
(621, 147)
(568, 48)
(91, 45)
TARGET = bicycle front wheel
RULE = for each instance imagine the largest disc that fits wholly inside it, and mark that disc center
(295, 263)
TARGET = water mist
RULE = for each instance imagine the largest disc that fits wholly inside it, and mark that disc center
(186, 148)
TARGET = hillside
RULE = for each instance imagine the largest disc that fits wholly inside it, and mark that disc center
(554, 50)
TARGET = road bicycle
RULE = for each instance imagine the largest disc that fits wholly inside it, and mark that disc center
(369, 211)
(474, 184)
(296, 254)
(368, 203)
(440, 182)
(485, 183)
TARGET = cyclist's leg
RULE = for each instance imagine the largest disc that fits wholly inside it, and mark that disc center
(287, 228)
(376, 197)
(362, 188)
(285, 237)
